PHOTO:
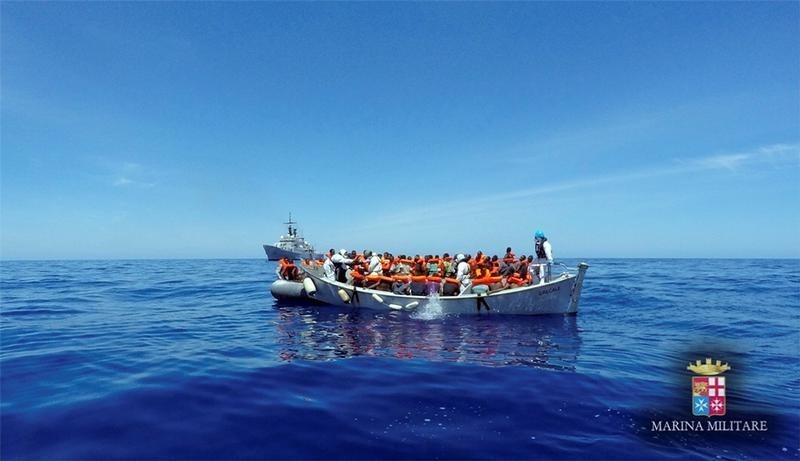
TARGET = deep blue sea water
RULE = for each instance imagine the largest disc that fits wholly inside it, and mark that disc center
(193, 359)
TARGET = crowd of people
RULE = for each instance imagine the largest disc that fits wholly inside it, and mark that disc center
(426, 274)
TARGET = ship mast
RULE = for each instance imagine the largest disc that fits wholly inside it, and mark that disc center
(292, 231)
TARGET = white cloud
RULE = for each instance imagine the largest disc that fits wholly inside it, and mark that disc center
(775, 155)
(728, 162)
(130, 174)
(123, 181)
(772, 154)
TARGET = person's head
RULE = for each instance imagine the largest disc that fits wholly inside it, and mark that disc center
(331, 252)
(522, 258)
(343, 252)
(494, 258)
(530, 258)
(508, 250)
(460, 257)
(446, 256)
(539, 235)
(353, 254)
(367, 253)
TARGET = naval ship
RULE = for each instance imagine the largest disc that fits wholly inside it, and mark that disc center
(291, 246)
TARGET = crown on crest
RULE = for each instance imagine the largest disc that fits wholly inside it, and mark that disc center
(708, 368)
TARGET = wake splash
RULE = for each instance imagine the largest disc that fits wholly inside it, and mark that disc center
(431, 309)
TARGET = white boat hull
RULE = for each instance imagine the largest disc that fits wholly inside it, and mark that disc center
(559, 296)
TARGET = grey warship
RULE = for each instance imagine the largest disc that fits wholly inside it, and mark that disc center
(291, 246)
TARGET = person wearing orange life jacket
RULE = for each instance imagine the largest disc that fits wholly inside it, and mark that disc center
(481, 271)
(292, 272)
(386, 264)
(393, 260)
(509, 257)
(419, 267)
(399, 266)
(522, 275)
(279, 269)
(357, 275)
(495, 266)
(473, 262)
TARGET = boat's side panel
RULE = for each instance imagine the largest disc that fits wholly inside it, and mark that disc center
(550, 298)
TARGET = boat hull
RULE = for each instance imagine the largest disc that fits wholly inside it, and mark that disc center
(559, 296)
(288, 290)
(274, 253)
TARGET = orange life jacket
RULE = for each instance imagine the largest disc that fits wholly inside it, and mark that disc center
(486, 280)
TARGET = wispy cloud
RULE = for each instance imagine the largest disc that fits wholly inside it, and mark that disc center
(130, 174)
(775, 155)
(123, 181)
(728, 162)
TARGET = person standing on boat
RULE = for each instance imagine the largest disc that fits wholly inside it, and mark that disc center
(374, 265)
(463, 271)
(340, 262)
(328, 267)
(544, 254)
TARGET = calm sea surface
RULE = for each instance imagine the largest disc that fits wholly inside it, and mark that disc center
(195, 360)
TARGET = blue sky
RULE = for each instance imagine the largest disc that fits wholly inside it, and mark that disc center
(149, 130)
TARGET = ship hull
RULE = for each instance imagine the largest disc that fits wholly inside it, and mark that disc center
(274, 253)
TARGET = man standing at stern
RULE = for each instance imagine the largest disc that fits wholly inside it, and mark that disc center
(544, 255)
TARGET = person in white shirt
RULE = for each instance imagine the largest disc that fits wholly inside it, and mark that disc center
(544, 254)
(374, 266)
(328, 267)
(340, 262)
(462, 273)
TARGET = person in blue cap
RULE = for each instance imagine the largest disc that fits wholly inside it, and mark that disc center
(544, 254)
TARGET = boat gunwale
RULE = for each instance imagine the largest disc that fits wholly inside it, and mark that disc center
(560, 279)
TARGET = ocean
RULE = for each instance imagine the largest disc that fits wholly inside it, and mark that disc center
(194, 360)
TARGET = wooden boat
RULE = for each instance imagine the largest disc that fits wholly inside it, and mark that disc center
(560, 295)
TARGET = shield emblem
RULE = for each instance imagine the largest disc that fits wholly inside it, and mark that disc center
(708, 395)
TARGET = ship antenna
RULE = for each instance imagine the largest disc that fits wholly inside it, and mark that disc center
(292, 232)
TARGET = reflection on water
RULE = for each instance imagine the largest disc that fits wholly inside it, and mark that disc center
(327, 333)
